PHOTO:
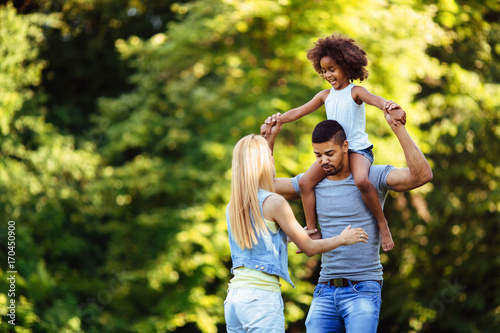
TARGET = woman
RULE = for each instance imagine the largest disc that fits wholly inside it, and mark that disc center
(258, 241)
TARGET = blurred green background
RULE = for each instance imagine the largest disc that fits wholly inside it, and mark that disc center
(117, 123)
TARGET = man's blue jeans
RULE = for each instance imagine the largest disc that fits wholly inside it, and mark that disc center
(351, 309)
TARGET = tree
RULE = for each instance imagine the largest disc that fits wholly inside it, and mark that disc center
(210, 79)
(449, 244)
(42, 186)
(119, 186)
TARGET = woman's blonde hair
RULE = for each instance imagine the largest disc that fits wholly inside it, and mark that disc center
(252, 169)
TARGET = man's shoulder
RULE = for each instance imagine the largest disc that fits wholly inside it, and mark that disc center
(380, 168)
(378, 175)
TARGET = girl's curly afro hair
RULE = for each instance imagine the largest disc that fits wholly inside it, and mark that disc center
(350, 57)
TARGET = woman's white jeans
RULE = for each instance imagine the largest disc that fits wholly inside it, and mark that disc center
(254, 310)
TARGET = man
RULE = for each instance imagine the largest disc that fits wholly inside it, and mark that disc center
(348, 294)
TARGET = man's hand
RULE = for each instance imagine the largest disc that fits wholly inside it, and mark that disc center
(396, 113)
(395, 116)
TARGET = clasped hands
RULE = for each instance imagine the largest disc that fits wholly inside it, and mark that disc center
(394, 114)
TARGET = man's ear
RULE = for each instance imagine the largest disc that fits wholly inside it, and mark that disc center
(345, 146)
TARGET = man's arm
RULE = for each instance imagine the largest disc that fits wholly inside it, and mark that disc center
(418, 171)
(284, 187)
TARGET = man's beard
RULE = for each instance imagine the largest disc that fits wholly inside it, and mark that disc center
(332, 171)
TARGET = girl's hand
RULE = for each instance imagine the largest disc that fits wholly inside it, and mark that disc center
(271, 120)
(389, 105)
(269, 123)
(398, 115)
(351, 236)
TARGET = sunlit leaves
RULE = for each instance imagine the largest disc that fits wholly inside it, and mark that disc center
(136, 197)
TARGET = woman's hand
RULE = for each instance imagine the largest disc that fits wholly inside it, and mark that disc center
(351, 236)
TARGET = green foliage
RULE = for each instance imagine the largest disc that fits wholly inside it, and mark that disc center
(117, 131)
(449, 240)
(42, 186)
(21, 67)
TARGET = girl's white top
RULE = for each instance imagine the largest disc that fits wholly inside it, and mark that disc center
(341, 107)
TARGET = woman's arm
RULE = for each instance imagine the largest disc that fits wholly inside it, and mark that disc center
(305, 109)
(277, 209)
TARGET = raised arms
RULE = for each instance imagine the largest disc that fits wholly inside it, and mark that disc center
(282, 186)
(415, 175)
(418, 171)
(311, 106)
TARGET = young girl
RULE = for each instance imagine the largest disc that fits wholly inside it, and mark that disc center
(340, 61)
(258, 223)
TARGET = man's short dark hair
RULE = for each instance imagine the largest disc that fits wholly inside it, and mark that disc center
(327, 130)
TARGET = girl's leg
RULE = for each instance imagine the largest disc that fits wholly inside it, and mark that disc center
(307, 182)
(360, 167)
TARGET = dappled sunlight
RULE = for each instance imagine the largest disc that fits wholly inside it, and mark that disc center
(117, 124)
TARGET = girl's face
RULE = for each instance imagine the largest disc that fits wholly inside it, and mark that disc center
(333, 73)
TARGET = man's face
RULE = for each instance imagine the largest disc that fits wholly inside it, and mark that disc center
(331, 156)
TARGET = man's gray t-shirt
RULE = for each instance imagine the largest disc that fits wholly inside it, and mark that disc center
(339, 204)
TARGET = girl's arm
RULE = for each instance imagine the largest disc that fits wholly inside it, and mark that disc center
(276, 208)
(305, 109)
(362, 95)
